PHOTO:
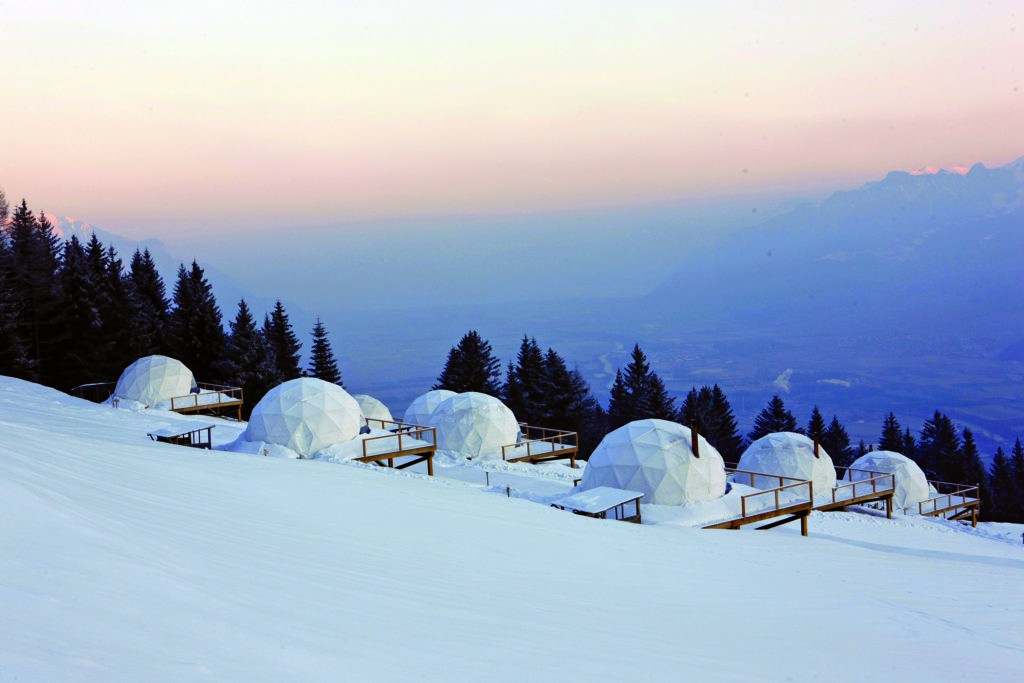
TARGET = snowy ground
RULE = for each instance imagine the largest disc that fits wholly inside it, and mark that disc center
(123, 559)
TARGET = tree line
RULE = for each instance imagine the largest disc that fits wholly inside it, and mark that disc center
(71, 313)
(540, 389)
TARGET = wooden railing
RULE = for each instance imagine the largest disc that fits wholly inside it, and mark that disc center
(97, 392)
(729, 470)
(967, 495)
(399, 430)
(877, 481)
(225, 394)
(555, 439)
(775, 494)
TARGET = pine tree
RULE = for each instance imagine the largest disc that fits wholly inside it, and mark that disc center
(639, 394)
(1003, 494)
(523, 390)
(322, 363)
(973, 469)
(836, 443)
(149, 304)
(892, 435)
(471, 366)
(195, 330)
(565, 402)
(1016, 483)
(118, 317)
(81, 350)
(728, 440)
(773, 418)
(14, 360)
(937, 449)
(248, 360)
(96, 257)
(284, 343)
(34, 259)
(622, 408)
(816, 426)
(909, 444)
(708, 411)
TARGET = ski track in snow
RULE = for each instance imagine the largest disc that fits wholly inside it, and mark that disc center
(123, 559)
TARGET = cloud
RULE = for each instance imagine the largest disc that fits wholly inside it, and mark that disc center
(782, 381)
(838, 382)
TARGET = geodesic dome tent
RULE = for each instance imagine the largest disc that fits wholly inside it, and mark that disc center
(419, 411)
(473, 424)
(656, 458)
(305, 415)
(154, 379)
(911, 483)
(786, 454)
(371, 407)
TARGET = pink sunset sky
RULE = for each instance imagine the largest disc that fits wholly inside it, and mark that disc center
(120, 113)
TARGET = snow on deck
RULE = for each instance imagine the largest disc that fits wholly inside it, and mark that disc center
(180, 428)
(597, 499)
(125, 559)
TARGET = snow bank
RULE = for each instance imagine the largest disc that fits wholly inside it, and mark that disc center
(124, 559)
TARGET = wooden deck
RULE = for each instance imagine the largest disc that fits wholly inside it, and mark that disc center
(952, 501)
(872, 487)
(776, 504)
(542, 444)
(192, 434)
(415, 442)
(212, 399)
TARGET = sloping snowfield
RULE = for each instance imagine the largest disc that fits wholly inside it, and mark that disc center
(122, 559)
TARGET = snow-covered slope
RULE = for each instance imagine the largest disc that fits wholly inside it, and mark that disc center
(121, 559)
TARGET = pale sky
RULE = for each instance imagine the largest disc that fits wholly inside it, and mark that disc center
(118, 112)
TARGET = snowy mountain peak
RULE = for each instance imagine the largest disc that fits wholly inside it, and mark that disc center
(935, 170)
(65, 226)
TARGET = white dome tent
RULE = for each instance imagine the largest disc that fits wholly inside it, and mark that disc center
(787, 454)
(373, 409)
(305, 415)
(473, 424)
(911, 485)
(419, 411)
(656, 457)
(154, 379)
